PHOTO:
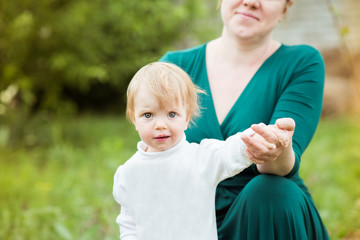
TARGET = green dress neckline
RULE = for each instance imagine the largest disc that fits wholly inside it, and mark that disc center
(241, 98)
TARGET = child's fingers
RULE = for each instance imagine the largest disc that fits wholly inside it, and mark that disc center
(257, 143)
(270, 137)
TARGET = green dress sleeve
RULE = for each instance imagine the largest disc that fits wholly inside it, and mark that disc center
(301, 96)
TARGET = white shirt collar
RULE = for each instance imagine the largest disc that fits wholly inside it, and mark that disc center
(141, 146)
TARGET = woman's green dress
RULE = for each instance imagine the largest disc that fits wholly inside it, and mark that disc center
(253, 205)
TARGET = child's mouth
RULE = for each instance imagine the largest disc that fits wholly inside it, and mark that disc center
(162, 138)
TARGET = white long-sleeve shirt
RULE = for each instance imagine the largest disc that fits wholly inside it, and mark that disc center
(170, 195)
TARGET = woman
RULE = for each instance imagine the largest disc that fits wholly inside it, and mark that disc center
(250, 78)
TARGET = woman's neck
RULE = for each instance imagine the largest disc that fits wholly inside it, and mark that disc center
(244, 52)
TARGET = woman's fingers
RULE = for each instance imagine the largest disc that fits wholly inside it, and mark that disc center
(278, 134)
(285, 124)
(253, 158)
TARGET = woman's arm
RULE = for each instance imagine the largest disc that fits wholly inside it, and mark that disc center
(300, 99)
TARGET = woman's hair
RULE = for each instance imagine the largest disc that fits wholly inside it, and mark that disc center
(169, 83)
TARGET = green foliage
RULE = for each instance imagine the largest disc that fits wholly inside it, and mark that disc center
(59, 55)
(78, 45)
(59, 184)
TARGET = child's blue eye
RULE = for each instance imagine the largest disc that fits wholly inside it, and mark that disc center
(147, 115)
(172, 115)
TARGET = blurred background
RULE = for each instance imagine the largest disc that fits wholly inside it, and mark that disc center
(64, 69)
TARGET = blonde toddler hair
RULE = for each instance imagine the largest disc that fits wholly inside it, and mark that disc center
(168, 83)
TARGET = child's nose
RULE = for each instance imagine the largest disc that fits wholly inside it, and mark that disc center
(160, 124)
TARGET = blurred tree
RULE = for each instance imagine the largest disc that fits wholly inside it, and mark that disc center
(57, 44)
(353, 98)
(54, 52)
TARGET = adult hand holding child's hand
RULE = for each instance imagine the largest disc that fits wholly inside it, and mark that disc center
(271, 146)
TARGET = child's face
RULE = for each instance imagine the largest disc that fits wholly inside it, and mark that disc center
(159, 128)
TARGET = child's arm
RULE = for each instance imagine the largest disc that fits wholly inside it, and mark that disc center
(127, 225)
(224, 159)
(126, 219)
(219, 159)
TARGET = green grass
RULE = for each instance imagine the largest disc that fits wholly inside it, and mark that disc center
(63, 189)
(58, 184)
(331, 169)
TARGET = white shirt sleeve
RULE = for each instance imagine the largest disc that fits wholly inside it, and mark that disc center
(127, 225)
(224, 159)
(116, 186)
(125, 220)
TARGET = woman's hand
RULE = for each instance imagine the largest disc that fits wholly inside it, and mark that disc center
(271, 148)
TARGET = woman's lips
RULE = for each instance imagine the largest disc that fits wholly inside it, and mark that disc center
(248, 15)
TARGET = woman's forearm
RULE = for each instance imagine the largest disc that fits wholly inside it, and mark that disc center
(280, 166)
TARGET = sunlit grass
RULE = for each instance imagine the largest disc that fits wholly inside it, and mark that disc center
(58, 184)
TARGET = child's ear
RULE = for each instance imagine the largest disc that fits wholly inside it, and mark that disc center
(134, 122)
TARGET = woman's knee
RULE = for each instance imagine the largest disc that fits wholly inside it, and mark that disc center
(272, 207)
(272, 190)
